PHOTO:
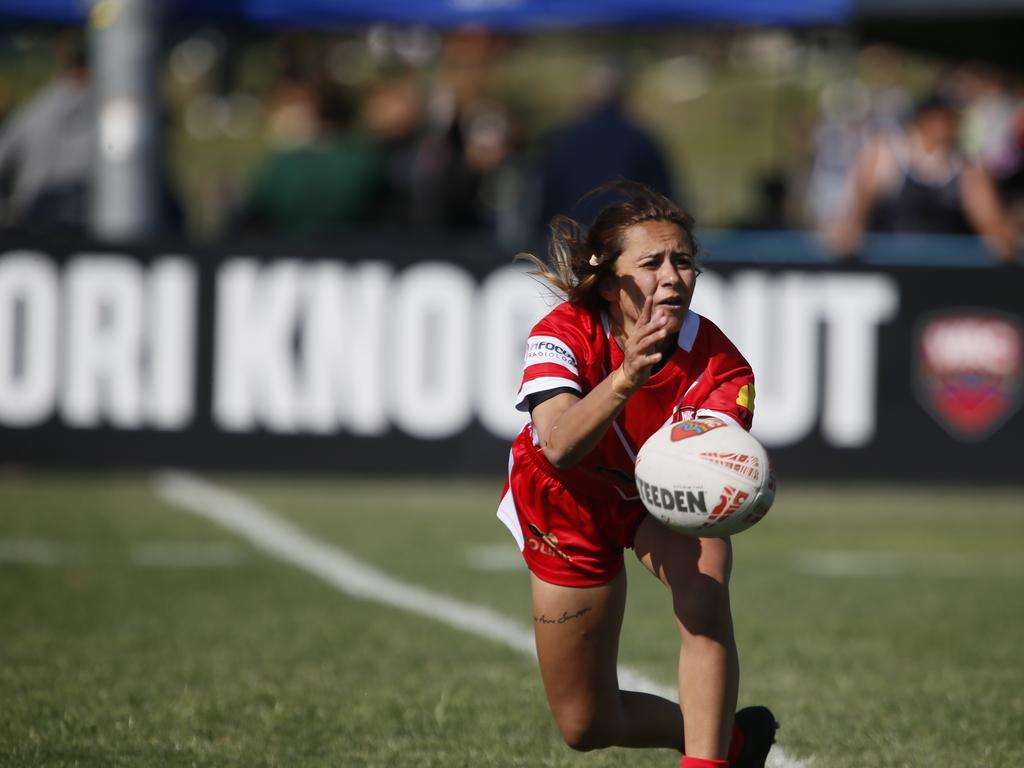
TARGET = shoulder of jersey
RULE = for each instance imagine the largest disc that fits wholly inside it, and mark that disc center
(716, 343)
(567, 315)
(706, 329)
(712, 330)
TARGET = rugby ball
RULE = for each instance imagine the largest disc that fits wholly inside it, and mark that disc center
(705, 477)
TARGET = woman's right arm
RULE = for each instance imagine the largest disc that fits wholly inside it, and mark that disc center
(986, 214)
(570, 427)
(845, 235)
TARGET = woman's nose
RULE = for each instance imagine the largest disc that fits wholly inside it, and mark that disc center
(668, 274)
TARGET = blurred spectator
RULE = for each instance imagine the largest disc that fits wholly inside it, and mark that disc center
(471, 176)
(988, 119)
(994, 131)
(601, 145)
(466, 137)
(772, 198)
(394, 114)
(843, 128)
(321, 188)
(1012, 186)
(292, 108)
(917, 181)
(854, 110)
(47, 148)
(505, 197)
(445, 187)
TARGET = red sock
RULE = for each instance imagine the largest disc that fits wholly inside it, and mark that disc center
(700, 762)
(736, 744)
(735, 748)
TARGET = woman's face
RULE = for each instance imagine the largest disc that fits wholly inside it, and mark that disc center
(939, 127)
(657, 261)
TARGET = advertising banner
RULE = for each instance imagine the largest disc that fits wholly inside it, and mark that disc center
(406, 359)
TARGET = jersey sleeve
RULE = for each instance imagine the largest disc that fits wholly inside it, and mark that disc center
(554, 357)
(729, 389)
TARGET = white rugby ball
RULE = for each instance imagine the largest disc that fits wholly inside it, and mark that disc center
(705, 477)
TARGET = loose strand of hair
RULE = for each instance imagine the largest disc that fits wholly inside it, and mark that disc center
(561, 269)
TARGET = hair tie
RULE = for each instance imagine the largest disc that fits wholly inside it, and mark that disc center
(594, 261)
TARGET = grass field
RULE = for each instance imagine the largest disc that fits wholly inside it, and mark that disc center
(883, 624)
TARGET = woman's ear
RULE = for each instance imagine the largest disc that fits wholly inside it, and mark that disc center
(608, 288)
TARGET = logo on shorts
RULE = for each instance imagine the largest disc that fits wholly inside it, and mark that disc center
(548, 544)
(968, 370)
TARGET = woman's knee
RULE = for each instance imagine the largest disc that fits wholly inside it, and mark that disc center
(586, 733)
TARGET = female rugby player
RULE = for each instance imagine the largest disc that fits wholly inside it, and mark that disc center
(604, 370)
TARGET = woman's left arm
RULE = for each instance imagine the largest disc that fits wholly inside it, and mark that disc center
(985, 212)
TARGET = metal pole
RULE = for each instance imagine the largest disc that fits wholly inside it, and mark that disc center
(124, 43)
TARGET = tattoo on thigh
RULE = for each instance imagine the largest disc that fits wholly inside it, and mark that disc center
(565, 617)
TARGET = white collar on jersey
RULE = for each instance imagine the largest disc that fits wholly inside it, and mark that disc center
(687, 334)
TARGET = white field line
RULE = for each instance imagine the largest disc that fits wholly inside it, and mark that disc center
(493, 557)
(185, 554)
(32, 552)
(848, 564)
(854, 564)
(159, 554)
(284, 541)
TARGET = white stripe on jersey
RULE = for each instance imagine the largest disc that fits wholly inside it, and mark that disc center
(542, 384)
(625, 442)
(550, 349)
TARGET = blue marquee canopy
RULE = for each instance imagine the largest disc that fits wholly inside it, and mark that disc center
(498, 14)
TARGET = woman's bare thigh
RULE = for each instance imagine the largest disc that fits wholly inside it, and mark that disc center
(577, 632)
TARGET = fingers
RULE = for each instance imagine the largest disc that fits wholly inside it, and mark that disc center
(649, 323)
(660, 315)
(641, 348)
(650, 334)
(645, 312)
(648, 359)
(650, 315)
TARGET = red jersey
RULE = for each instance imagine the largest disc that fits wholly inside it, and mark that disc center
(572, 524)
(573, 348)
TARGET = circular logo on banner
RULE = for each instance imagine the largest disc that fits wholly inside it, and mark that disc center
(968, 370)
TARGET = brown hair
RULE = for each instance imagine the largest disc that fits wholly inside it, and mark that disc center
(577, 261)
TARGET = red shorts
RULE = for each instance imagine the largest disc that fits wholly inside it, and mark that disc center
(572, 530)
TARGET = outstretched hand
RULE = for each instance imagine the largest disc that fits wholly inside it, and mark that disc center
(640, 352)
